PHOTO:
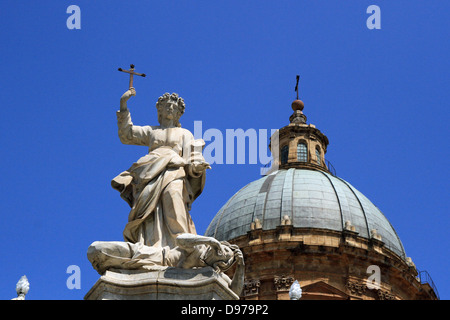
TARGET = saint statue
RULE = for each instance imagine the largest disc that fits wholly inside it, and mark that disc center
(161, 186)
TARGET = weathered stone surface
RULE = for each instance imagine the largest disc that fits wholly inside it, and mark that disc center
(168, 284)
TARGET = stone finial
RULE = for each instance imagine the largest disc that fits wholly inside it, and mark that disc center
(374, 234)
(298, 105)
(295, 292)
(256, 224)
(286, 221)
(410, 263)
(298, 116)
(349, 227)
(22, 288)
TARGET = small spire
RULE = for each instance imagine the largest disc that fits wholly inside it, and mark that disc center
(295, 292)
(297, 106)
(22, 288)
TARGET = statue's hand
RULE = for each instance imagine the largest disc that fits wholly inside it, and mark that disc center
(198, 167)
(239, 257)
(128, 94)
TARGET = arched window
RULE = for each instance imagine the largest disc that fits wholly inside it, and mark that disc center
(302, 152)
(318, 156)
(284, 154)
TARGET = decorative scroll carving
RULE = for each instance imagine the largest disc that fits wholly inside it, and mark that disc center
(251, 287)
(384, 295)
(355, 287)
(283, 283)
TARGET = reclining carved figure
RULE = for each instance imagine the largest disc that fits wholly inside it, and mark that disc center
(191, 251)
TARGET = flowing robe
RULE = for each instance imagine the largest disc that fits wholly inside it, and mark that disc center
(159, 194)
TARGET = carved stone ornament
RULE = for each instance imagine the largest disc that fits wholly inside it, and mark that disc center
(283, 283)
(251, 287)
(355, 287)
(297, 117)
(384, 295)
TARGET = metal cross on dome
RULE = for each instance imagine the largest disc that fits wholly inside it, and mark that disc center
(296, 85)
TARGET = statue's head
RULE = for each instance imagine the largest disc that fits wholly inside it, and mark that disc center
(170, 106)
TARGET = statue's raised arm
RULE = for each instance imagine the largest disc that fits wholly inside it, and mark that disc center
(123, 100)
(128, 132)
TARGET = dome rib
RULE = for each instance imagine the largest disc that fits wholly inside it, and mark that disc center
(337, 198)
(388, 241)
(359, 201)
(403, 252)
(283, 194)
(291, 209)
(273, 201)
(224, 209)
(265, 188)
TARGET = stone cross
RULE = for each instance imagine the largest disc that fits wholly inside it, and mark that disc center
(131, 72)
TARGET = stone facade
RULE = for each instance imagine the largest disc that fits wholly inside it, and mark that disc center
(328, 265)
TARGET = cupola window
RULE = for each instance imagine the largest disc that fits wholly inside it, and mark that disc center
(318, 156)
(302, 152)
(284, 154)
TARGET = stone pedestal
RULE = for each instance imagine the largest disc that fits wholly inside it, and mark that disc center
(166, 284)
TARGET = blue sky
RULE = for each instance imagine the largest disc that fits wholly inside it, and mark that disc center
(379, 95)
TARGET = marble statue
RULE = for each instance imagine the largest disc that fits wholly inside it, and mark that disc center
(161, 186)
